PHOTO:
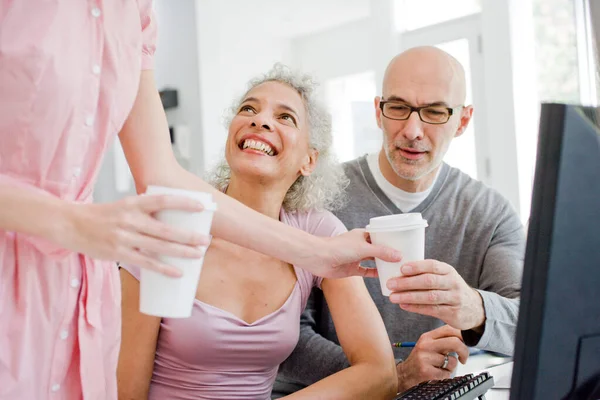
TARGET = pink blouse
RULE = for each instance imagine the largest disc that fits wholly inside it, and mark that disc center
(69, 74)
(215, 355)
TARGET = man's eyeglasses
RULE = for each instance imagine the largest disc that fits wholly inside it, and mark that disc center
(429, 114)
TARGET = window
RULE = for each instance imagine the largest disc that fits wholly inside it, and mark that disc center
(589, 84)
(415, 14)
(461, 153)
(556, 51)
(350, 101)
(558, 79)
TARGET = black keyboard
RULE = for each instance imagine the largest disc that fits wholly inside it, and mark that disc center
(467, 387)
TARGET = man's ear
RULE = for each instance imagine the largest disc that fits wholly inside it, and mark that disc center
(376, 101)
(311, 162)
(465, 117)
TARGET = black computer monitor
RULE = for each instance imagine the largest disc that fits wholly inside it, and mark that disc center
(557, 352)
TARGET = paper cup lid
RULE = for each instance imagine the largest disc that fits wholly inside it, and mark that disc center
(396, 222)
(203, 197)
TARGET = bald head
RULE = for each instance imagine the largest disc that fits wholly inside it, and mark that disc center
(425, 73)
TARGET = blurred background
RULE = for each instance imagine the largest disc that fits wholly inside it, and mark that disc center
(517, 54)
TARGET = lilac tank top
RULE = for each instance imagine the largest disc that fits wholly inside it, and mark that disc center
(216, 355)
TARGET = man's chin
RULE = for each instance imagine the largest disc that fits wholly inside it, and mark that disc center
(411, 178)
(411, 174)
(410, 170)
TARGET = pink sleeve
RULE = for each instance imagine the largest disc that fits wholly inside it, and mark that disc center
(148, 25)
(133, 270)
(318, 223)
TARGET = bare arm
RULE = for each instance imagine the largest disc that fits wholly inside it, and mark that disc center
(362, 335)
(138, 343)
(314, 357)
(25, 211)
(110, 231)
(145, 141)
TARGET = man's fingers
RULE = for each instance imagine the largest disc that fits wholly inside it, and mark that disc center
(462, 353)
(451, 345)
(443, 374)
(443, 332)
(430, 310)
(462, 357)
(456, 352)
(426, 266)
(155, 203)
(439, 361)
(419, 282)
(452, 363)
(422, 297)
(436, 360)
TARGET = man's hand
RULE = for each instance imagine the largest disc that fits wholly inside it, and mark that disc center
(434, 288)
(342, 256)
(427, 358)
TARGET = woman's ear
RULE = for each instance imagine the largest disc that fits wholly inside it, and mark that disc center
(311, 162)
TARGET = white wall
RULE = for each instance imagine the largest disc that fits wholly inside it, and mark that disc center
(176, 66)
(365, 44)
(343, 50)
(229, 55)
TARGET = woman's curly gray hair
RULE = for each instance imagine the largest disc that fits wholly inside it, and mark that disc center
(324, 188)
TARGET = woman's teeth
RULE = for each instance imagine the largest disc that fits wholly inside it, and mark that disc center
(256, 145)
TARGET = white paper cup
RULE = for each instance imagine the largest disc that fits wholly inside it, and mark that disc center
(165, 296)
(404, 232)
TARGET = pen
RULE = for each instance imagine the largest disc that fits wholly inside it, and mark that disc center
(404, 344)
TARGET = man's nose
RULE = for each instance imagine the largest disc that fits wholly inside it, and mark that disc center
(413, 127)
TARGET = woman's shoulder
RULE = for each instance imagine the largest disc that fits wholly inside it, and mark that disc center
(316, 222)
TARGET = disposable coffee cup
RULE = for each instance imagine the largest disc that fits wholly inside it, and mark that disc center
(404, 232)
(170, 297)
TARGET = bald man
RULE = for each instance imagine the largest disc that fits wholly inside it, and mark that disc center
(466, 291)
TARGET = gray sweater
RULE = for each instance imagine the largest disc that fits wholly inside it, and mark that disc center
(471, 227)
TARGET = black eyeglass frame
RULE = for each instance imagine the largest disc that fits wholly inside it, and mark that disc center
(450, 110)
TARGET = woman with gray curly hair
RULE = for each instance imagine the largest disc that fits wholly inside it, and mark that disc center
(245, 320)
(323, 189)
